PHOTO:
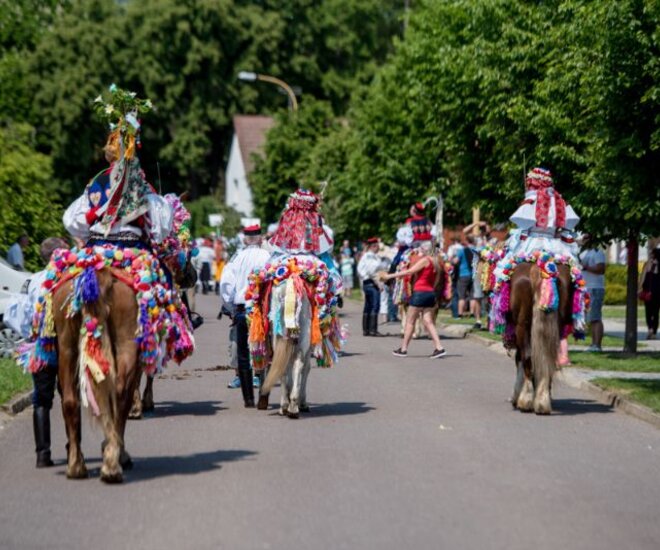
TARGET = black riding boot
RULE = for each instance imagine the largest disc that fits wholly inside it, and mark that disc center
(365, 324)
(41, 424)
(373, 325)
(247, 387)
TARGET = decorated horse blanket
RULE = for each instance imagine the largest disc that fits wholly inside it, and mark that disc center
(549, 295)
(164, 330)
(302, 275)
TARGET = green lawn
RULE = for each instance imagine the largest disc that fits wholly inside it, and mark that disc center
(645, 392)
(608, 342)
(12, 380)
(617, 361)
(619, 312)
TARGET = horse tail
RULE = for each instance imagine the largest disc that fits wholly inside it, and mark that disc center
(545, 329)
(284, 348)
(96, 364)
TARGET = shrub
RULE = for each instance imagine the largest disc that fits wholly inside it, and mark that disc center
(615, 294)
(616, 275)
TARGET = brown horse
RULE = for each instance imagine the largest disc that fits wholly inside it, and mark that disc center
(117, 312)
(537, 335)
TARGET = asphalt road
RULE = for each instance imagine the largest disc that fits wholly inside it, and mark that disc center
(396, 453)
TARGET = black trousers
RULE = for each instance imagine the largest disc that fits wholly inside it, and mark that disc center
(45, 382)
(242, 348)
(371, 297)
(652, 308)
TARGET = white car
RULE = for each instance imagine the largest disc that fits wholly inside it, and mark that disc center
(12, 282)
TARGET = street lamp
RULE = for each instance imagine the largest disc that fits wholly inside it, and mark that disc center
(248, 76)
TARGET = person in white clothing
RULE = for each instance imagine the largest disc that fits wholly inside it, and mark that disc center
(593, 270)
(369, 266)
(233, 284)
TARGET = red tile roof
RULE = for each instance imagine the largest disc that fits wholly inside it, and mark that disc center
(251, 133)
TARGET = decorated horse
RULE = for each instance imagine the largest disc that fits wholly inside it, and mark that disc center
(106, 315)
(292, 313)
(403, 287)
(538, 299)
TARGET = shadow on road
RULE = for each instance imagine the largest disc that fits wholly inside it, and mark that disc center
(340, 409)
(572, 407)
(147, 468)
(195, 408)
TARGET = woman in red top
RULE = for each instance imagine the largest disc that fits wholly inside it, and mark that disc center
(423, 300)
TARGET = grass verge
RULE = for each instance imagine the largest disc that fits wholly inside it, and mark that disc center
(616, 361)
(619, 313)
(12, 380)
(644, 392)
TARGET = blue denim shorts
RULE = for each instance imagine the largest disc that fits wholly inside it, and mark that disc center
(596, 309)
(423, 299)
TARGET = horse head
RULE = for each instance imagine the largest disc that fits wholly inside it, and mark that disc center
(177, 249)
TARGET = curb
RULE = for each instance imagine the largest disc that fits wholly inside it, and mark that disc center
(18, 403)
(613, 399)
(568, 377)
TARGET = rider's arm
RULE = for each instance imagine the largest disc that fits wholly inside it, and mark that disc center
(75, 218)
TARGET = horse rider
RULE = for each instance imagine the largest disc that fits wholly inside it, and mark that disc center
(369, 266)
(233, 284)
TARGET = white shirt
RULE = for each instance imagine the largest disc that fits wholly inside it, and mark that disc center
(591, 258)
(206, 255)
(453, 250)
(159, 213)
(20, 308)
(234, 280)
(369, 266)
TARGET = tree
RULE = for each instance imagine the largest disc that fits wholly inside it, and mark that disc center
(27, 205)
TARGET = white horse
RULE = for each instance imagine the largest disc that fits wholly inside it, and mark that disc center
(292, 353)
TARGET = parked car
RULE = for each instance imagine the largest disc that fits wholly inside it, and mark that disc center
(12, 282)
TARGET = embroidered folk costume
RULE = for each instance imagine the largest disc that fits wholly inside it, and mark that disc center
(543, 237)
(301, 260)
(134, 233)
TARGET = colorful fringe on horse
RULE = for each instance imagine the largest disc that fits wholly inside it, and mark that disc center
(301, 275)
(164, 331)
(489, 256)
(549, 295)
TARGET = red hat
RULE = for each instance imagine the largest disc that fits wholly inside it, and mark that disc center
(419, 207)
(251, 230)
(373, 240)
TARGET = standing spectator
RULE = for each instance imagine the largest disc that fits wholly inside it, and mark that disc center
(346, 266)
(593, 269)
(650, 292)
(452, 252)
(368, 267)
(463, 264)
(15, 253)
(206, 259)
(233, 285)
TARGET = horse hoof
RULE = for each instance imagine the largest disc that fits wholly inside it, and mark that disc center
(135, 415)
(111, 477)
(79, 471)
(262, 405)
(148, 407)
(304, 408)
(284, 411)
(293, 416)
(125, 461)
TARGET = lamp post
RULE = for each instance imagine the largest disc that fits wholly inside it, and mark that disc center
(248, 76)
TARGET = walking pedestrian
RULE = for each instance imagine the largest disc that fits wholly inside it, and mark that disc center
(233, 284)
(650, 292)
(423, 300)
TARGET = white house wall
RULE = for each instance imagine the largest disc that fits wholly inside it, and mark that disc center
(238, 193)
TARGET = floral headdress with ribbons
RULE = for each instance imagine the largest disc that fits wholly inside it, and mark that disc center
(127, 197)
(301, 225)
(540, 180)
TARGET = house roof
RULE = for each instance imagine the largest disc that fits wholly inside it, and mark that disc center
(251, 134)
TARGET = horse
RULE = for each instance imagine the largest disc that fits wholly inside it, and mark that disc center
(536, 333)
(292, 313)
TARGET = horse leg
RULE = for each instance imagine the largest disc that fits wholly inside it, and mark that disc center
(526, 398)
(148, 395)
(137, 406)
(297, 374)
(520, 377)
(287, 383)
(304, 406)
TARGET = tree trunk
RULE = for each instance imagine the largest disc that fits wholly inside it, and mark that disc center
(630, 344)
